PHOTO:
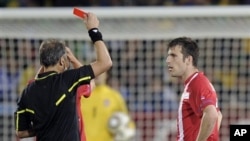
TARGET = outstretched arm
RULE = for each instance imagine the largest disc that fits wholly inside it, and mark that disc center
(77, 64)
(103, 60)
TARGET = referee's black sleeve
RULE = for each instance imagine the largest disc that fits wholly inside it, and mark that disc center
(74, 77)
(21, 120)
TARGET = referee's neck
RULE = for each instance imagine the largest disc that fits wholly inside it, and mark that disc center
(55, 68)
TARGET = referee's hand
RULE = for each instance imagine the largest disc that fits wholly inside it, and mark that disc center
(91, 21)
(72, 59)
(70, 55)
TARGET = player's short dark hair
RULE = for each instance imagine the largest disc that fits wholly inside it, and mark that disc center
(51, 51)
(189, 48)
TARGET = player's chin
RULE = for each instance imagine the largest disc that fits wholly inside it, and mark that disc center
(170, 71)
(172, 74)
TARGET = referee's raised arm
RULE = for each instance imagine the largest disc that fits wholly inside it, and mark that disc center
(103, 60)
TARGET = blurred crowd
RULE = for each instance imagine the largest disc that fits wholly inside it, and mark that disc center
(68, 3)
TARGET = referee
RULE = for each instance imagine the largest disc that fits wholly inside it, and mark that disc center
(47, 106)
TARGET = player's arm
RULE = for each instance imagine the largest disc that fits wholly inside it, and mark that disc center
(208, 121)
(103, 60)
(219, 120)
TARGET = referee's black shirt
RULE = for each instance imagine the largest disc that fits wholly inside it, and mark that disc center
(49, 105)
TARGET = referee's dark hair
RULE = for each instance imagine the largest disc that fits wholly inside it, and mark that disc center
(189, 48)
(51, 51)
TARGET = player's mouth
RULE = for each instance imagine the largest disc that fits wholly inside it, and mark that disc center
(170, 68)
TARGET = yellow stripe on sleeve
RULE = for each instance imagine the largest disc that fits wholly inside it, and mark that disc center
(79, 80)
(21, 112)
(17, 118)
(60, 99)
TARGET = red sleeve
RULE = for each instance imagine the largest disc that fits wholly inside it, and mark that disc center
(208, 97)
(202, 96)
(84, 90)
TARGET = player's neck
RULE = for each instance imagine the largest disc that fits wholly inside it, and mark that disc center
(189, 73)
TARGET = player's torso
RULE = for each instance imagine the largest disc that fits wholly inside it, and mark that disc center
(188, 122)
(190, 108)
(96, 111)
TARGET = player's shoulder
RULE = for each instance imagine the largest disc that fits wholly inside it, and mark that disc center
(113, 93)
(202, 83)
(201, 77)
(108, 89)
(200, 80)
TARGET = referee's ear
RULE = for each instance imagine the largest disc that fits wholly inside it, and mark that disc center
(61, 61)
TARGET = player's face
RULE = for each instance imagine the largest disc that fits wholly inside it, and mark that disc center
(175, 62)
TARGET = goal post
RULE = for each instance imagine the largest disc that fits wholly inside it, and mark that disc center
(157, 22)
(136, 38)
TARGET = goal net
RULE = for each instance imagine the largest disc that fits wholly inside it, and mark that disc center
(137, 39)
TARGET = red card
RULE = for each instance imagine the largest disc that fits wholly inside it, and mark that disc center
(78, 12)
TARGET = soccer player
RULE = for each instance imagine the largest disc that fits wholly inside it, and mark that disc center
(47, 106)
(199, 117)
(98, 109)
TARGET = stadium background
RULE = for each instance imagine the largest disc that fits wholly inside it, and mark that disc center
(137, 38)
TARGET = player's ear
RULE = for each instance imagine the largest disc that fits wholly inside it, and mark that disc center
(189, 59)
